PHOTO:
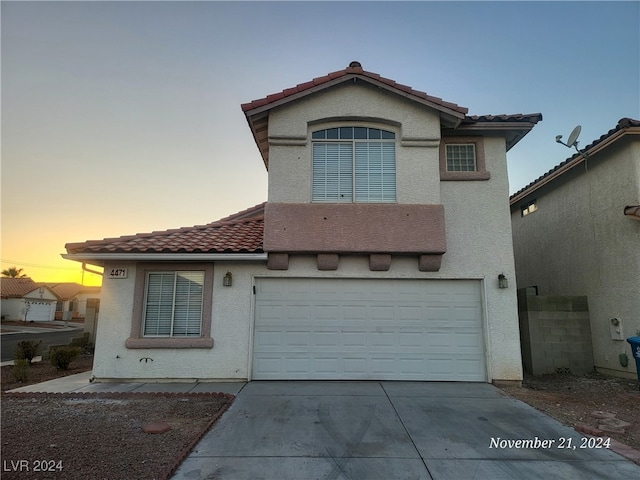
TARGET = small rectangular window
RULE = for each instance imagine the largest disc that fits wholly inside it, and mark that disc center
(528, 208)
(461, 157)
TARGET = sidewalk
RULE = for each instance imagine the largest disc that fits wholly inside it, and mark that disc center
(10, 328)
(81, 383)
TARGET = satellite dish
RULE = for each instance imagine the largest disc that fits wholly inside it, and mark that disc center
(572, 141)
(573, 137)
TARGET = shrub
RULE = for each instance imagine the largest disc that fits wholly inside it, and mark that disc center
(27, 350)
(61, 357)
(21, 370)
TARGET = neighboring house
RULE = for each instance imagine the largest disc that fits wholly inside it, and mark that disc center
(24, 299)
(377, 255)
(72, 303)
(576, 232)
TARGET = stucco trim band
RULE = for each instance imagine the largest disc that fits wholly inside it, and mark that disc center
(354, 228)
(379, 262)
(278, 261)
(429, 263)
(328, 261)
(169, 343)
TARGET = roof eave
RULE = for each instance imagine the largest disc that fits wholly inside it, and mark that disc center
(512, 131)
(572, 162)
(258, 118)
(99, 259)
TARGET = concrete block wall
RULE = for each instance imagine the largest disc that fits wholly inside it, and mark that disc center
(555, 334)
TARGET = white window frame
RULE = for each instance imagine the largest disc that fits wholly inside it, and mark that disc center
(458, 159)
(479, 173)
(355, 179)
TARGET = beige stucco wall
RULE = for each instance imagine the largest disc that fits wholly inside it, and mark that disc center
(290, 127)
(579, 242)
(478, 239)
(231, 323)
(233, 319)
(479, 244)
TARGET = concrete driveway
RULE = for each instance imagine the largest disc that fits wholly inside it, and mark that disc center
(393, 430)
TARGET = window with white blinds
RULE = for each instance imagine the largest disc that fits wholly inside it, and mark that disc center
(354, 164)
(173, 304)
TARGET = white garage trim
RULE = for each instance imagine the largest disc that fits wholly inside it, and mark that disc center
(368, 329)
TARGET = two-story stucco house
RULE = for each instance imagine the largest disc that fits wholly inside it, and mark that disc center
(576, 233)
(376, 256)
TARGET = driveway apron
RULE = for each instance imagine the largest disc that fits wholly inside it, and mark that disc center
(392, 430)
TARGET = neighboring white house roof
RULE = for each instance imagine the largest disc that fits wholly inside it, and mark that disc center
(69, 290)
(625, 126)
(19, 287)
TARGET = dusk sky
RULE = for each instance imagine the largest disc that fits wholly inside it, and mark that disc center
(124, 117)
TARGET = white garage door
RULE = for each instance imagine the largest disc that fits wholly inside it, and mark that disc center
(368, 330)
(39, 311)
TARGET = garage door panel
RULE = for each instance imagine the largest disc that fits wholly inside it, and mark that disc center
(368, 329)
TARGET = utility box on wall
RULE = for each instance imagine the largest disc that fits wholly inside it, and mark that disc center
(555, 334)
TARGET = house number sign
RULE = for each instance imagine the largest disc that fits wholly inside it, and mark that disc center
(117, 273)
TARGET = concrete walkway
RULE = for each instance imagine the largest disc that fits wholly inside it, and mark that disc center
(80, 383)
(39, 327)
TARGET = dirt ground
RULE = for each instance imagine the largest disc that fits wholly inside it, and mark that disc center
(43, 371)
(100, 436)
(590, 400)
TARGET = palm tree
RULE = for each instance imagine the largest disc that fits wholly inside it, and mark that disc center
(13, 272)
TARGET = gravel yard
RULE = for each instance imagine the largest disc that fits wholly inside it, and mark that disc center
(100, 436)
(583, 400)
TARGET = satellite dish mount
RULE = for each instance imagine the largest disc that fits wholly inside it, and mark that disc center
(572, 141)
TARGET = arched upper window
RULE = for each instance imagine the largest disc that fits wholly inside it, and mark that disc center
(353, 164)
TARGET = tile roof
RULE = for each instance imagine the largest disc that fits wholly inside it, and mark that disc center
(514, 127)
(238, 233)
(577, 158)
(354, 69)
(514, 117)
(69, 290)
(16, 287)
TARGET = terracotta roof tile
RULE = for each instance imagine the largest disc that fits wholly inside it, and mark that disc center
(354, 69)
(514, 117)
(67, 290)
(238, 233)
(16, 287)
